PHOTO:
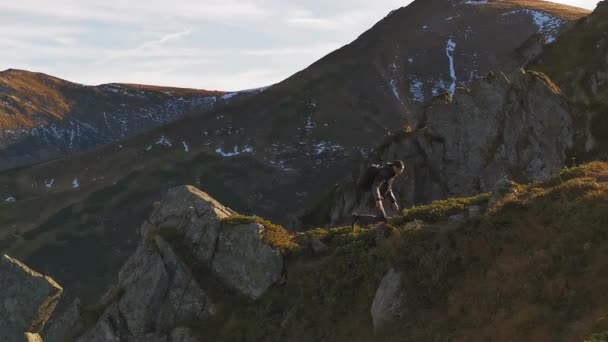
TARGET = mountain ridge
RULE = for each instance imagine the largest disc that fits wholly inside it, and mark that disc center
(269, 153)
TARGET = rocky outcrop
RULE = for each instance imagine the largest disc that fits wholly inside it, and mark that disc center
(388, 303)
(169, 282)
(67, 325)
(244, 263)
(517, 125)
(27, 299)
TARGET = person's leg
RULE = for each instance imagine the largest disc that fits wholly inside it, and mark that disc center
(378, 202)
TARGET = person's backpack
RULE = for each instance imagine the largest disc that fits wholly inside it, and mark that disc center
(367, 178)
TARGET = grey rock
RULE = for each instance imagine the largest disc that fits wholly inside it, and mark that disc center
(244, 262)
(110, 327)
(502, 188)
(179, 334)
(194, 215)
(27, 299)
(388, 302)
(318, 247)
(457, 218)
(158, 288)
(519, 128)
(474, 210)
(145, 285)
(67, 326)
(185, 301)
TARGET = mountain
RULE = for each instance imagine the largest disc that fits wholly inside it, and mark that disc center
(43, 117)
(502, 126)
(517, 125)
(525, 263)
(577, 62)
(275, 152)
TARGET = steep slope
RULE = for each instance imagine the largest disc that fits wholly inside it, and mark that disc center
(272, 153)
(43, 117)
(578, 63)
(516, 125)
(529, 267)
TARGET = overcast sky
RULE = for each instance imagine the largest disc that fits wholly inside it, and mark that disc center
(212, 44)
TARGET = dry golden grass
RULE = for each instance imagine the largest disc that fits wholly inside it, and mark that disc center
(564, 11)
(25, 95)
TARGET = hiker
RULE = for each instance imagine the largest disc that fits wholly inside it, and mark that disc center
(380, 181)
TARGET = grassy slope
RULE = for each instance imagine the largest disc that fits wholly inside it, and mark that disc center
(84, 244)
(532, 267)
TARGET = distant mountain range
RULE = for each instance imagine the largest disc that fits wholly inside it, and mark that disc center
(276, 151)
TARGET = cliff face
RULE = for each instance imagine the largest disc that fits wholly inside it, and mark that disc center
(27, 300)
(578, 63)
(517, 125)
(189, 262)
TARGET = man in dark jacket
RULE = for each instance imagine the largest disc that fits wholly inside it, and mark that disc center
(382, 187)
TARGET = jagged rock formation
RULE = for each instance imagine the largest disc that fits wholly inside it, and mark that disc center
(578, 63)
(167, 284)
(271, 154)
(388, 302)
(27, 300)
(43, 117)
(517, 125)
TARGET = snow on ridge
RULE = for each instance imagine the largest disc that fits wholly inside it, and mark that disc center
(548, 25)
(449, 51)
(163, 141)
(49, 184)
(186, 148)
(236, 152)
(417, 90)
(326, 146)
(475, 2)
(230, 95)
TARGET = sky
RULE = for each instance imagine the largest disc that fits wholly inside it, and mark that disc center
(208, 44)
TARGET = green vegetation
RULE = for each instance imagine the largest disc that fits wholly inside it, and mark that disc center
(273, 234)
(320, 298)
(441, 209)
(531, 265)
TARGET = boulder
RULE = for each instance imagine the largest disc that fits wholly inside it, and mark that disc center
(27, 299)
(66, 326)
(244, 262)
(388, 302)
(185, 243)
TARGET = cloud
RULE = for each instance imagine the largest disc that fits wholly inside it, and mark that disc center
(148, 48)
(214, 44)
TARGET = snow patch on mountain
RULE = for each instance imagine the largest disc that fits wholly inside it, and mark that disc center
(229, 96)
(236, 152)
(75, 184)
(326, 147)
(548, 25)
(164, 141)
(417, 90)
(186, 148)
(10, 199)
(49, 184)
(449, 51)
